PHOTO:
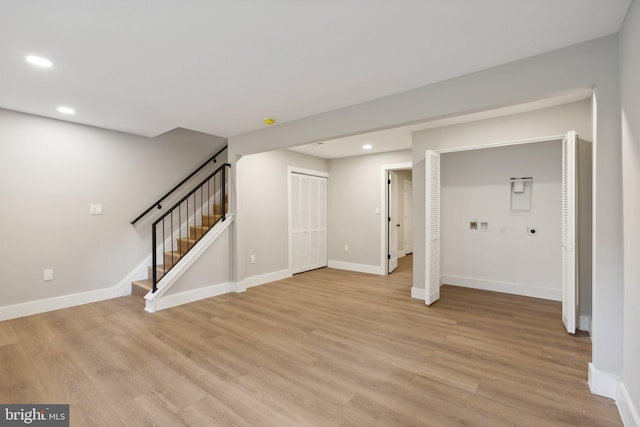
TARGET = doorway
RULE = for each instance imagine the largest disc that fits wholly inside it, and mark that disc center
(393, 222)
(475, 236)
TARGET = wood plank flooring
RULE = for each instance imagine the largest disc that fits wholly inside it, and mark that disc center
(323, 348)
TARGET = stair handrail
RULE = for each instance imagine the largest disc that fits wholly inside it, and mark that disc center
(158, 204)
(223, 205)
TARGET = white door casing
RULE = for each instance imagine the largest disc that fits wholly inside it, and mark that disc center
(392, 185)
(308, 222)
(432, 228)
(569, 227)
(408, 217)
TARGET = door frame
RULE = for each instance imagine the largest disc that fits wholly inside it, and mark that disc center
(384, 211)
(392, 226)
(407, 232)
(479, 147)
(290, 171)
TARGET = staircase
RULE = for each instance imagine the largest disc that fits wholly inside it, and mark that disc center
(183, 225)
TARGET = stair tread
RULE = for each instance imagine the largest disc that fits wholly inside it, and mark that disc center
(184, 239)
(143, 283)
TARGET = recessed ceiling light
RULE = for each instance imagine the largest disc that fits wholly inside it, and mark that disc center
(367, 147)
(66, 110)
(39, 61)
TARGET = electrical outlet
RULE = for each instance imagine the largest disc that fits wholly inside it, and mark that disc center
(95, 209)
(47, 275)
(346, 248)
(252, 259)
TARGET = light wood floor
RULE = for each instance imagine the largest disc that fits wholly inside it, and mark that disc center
(323, 348)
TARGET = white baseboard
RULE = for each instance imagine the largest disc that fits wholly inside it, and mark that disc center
(602, 383)
(250, 282)
(506, 287)
(168, 301)
(584, 323)
(401, 254)
(360, 268)
(56, 303)
(417, 293)
(628, 412)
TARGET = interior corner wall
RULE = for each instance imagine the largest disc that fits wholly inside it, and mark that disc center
(476, 186)
(354, 196)
(630, 90)
(262, 221)
(51, 172)
(593, 64)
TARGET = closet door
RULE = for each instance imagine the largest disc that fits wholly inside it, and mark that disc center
(569, 225)
(308, 222)
(432, 235)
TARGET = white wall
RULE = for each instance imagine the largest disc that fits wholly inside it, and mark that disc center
(354, 196)
(262, 215)
(475, 186)
(630, 89)
(51, 172)
(593, 64)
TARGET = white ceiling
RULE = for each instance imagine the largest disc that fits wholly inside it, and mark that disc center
(221, 66)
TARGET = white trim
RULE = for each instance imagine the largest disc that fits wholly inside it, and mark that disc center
(186, 297)
(402, 253)
(56, 303)
(291, 170)
(417, 293)
(187, 260)
(584, 323)
(506, 287)
(122, 288)
(602, 383)
(500, 144)
(274, 276)
(384, 214)
(310, 172)
(404, 220)
(360, 268)
(628, 412)
(139, 272)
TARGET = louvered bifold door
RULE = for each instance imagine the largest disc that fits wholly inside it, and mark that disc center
(432, 230)
(569, 224)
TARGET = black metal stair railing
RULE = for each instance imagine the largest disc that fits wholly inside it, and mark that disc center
(158, 203)
(187, 221)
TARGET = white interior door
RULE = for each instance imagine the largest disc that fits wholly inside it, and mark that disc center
(308, 222)
(569, 226)
(392, 222)
(432, 230)
(408, 217)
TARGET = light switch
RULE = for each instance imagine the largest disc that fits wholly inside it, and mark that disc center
(95, 209)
